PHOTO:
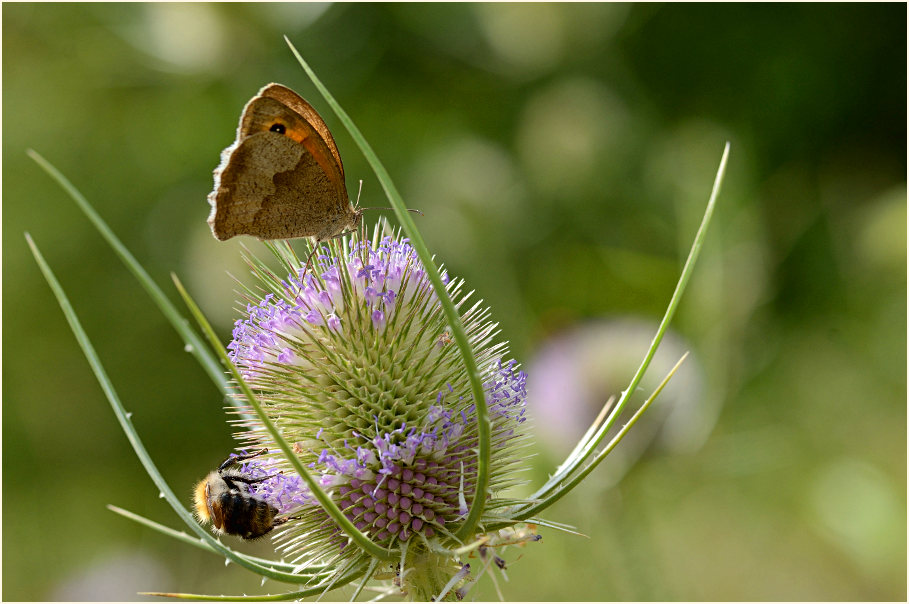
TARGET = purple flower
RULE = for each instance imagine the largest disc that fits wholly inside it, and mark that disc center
(354, 363)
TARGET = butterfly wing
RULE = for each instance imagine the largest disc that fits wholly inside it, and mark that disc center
(299, 106)
(280, 179)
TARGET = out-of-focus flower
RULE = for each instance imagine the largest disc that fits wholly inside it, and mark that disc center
(577, 371)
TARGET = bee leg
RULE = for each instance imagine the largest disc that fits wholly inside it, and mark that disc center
(231, 459)
(280, 521)
(251, 480)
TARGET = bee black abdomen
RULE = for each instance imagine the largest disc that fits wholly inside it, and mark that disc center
(247, 517)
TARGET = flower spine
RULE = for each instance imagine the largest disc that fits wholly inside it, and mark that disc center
(354, 364)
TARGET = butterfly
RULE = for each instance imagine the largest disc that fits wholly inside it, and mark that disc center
(282, 177)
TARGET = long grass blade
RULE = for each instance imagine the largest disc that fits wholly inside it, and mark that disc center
(577, 478)
(310, 571)
(330, 507)
(126, 424)
(572, 464)
(194, 343)
(315, 590)
(468, 525)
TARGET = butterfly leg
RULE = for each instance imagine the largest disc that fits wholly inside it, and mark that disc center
(315, 246)
(317, 242)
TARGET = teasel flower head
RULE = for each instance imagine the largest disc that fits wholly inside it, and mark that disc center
(353, 362)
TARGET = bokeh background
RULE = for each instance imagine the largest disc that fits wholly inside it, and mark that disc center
(562, 156)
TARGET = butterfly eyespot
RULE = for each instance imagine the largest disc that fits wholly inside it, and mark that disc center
(279, 128)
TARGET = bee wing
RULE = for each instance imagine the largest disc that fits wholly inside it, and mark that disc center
(215, 511)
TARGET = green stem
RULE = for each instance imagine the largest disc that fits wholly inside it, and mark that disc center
(126, 424)
(323, 572)
(577, 478)
(427, 575)
(466, 529)
(194, 343)
(555, 489)
(330, 507)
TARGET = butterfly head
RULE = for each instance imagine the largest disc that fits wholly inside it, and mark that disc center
(357, 218)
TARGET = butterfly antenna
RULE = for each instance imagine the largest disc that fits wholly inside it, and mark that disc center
(408, 209)
(361, 209)
(359, 192)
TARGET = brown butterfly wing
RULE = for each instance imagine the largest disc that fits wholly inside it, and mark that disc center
(279, 185)
(298, 105)
(273, 188)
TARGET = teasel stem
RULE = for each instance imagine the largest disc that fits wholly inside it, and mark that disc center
(478, 504)
(556, 488)
(330, 507)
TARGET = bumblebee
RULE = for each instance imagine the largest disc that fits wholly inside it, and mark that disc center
(230, 507)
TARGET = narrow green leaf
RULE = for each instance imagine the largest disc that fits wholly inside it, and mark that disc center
(554, 484)
(193, 342)
(330, 507)
(165, 530)
(467, 527)
(284, 597)
(291, 595)
(126, 424)
(317, 590)
(366, 577)
(189, 539)
(577, 478)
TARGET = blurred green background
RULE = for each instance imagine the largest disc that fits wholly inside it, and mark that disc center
(562, 156)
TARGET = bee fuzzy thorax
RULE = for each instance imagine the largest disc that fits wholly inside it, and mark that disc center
(199, 498)
(223, 498)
